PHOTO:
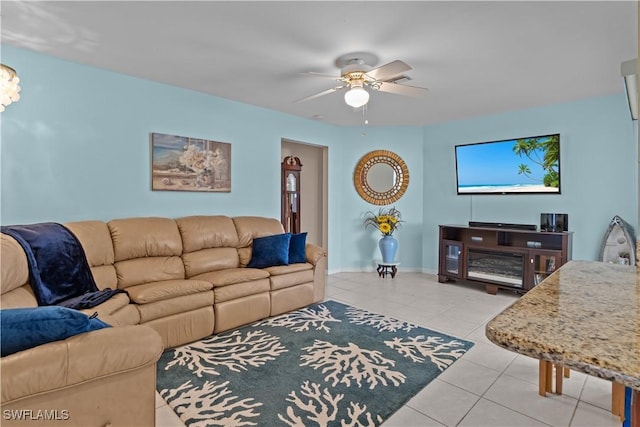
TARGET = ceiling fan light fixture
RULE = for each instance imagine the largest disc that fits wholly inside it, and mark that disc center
(356, 97)
(9, 86)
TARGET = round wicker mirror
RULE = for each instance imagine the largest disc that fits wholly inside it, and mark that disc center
(381, 177)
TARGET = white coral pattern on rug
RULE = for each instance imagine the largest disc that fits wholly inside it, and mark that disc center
(321, 408)
(384, 358)
(234, 351)
(209, 405)
(351, 363)
(378, 321)
(304, 319)
(440, 351)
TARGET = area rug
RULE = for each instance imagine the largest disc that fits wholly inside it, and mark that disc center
(328, 364)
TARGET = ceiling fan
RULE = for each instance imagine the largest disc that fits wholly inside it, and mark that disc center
(356, 75)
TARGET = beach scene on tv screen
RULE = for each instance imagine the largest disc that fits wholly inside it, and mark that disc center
(525, 165)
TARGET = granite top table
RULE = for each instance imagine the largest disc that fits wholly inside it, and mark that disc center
(585, 316)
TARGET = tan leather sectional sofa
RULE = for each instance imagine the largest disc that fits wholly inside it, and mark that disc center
(185, 279)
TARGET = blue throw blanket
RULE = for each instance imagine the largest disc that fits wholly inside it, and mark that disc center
(58, 269)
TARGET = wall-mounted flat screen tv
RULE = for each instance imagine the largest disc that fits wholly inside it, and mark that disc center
(515, 166)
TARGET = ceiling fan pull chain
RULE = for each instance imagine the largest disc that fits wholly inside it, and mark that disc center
(364, 114)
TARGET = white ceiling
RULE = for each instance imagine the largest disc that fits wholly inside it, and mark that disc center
(476, 57)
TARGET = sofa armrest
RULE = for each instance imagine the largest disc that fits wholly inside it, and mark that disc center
(314, 253)
(78, 359)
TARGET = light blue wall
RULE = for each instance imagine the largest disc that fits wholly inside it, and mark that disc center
(77, 147)
(360, 245)
(598, 159)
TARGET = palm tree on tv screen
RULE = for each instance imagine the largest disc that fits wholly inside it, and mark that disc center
(542, 151)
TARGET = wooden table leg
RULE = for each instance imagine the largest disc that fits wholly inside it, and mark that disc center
(617, 399)
(559, 374)
(635, 408)
(549, 375)
(544, 377)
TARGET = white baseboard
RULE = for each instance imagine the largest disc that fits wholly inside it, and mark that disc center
(371, 270)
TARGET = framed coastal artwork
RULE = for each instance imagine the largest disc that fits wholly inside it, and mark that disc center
(180, 163)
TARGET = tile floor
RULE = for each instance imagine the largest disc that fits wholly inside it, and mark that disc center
(488, 386)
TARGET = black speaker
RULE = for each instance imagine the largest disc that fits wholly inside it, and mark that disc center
(555, 222)
(530, 227)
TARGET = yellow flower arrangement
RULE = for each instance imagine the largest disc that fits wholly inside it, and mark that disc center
(386, 221)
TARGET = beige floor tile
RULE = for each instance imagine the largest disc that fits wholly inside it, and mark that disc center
(469, 376)
(489, 386)
(407, 417)
(591, 416)
(597, 392)
(522, 396)
(443, 402)
(490, 356)
(165, 417)
(489, 414)
(524, 368)
(159, 401)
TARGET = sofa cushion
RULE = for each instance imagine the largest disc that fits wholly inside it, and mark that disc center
(95, 239)
(270, 250)
(291, 279)
(12, 255)
(19, 298)
(287, 269)
(176, 305)
(145, 237)
(297, 248)
(127, 315)
(211, 259)
(77, 360)
(110, 306)
(250, 227)
(58, 268)
(232, 276)
(24, 328)
(203, 232)
(239, 290)
(137, 271)
(157, 291)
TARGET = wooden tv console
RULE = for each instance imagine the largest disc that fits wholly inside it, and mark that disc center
(500, 258)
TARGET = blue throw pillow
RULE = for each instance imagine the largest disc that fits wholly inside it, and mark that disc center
(23, 328)
(270, 251)
(297, 247)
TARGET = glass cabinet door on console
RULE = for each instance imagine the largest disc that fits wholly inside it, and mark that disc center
(543, 263)
(451, 258)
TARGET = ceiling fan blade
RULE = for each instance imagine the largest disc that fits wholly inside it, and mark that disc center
(324, 92)
(389, 70)
(402, 89)
(323, 76)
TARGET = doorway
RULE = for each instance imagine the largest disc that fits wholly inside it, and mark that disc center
(313, 188)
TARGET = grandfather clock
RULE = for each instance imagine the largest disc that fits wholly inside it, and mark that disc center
(290, 194)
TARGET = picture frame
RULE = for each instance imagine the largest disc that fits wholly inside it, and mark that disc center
(180, 163)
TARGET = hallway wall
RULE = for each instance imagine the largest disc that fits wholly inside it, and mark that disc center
(311, 188)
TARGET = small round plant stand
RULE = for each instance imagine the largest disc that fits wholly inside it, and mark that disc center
(387, 268)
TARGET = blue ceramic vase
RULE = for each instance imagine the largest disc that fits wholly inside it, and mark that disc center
(388, 247)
